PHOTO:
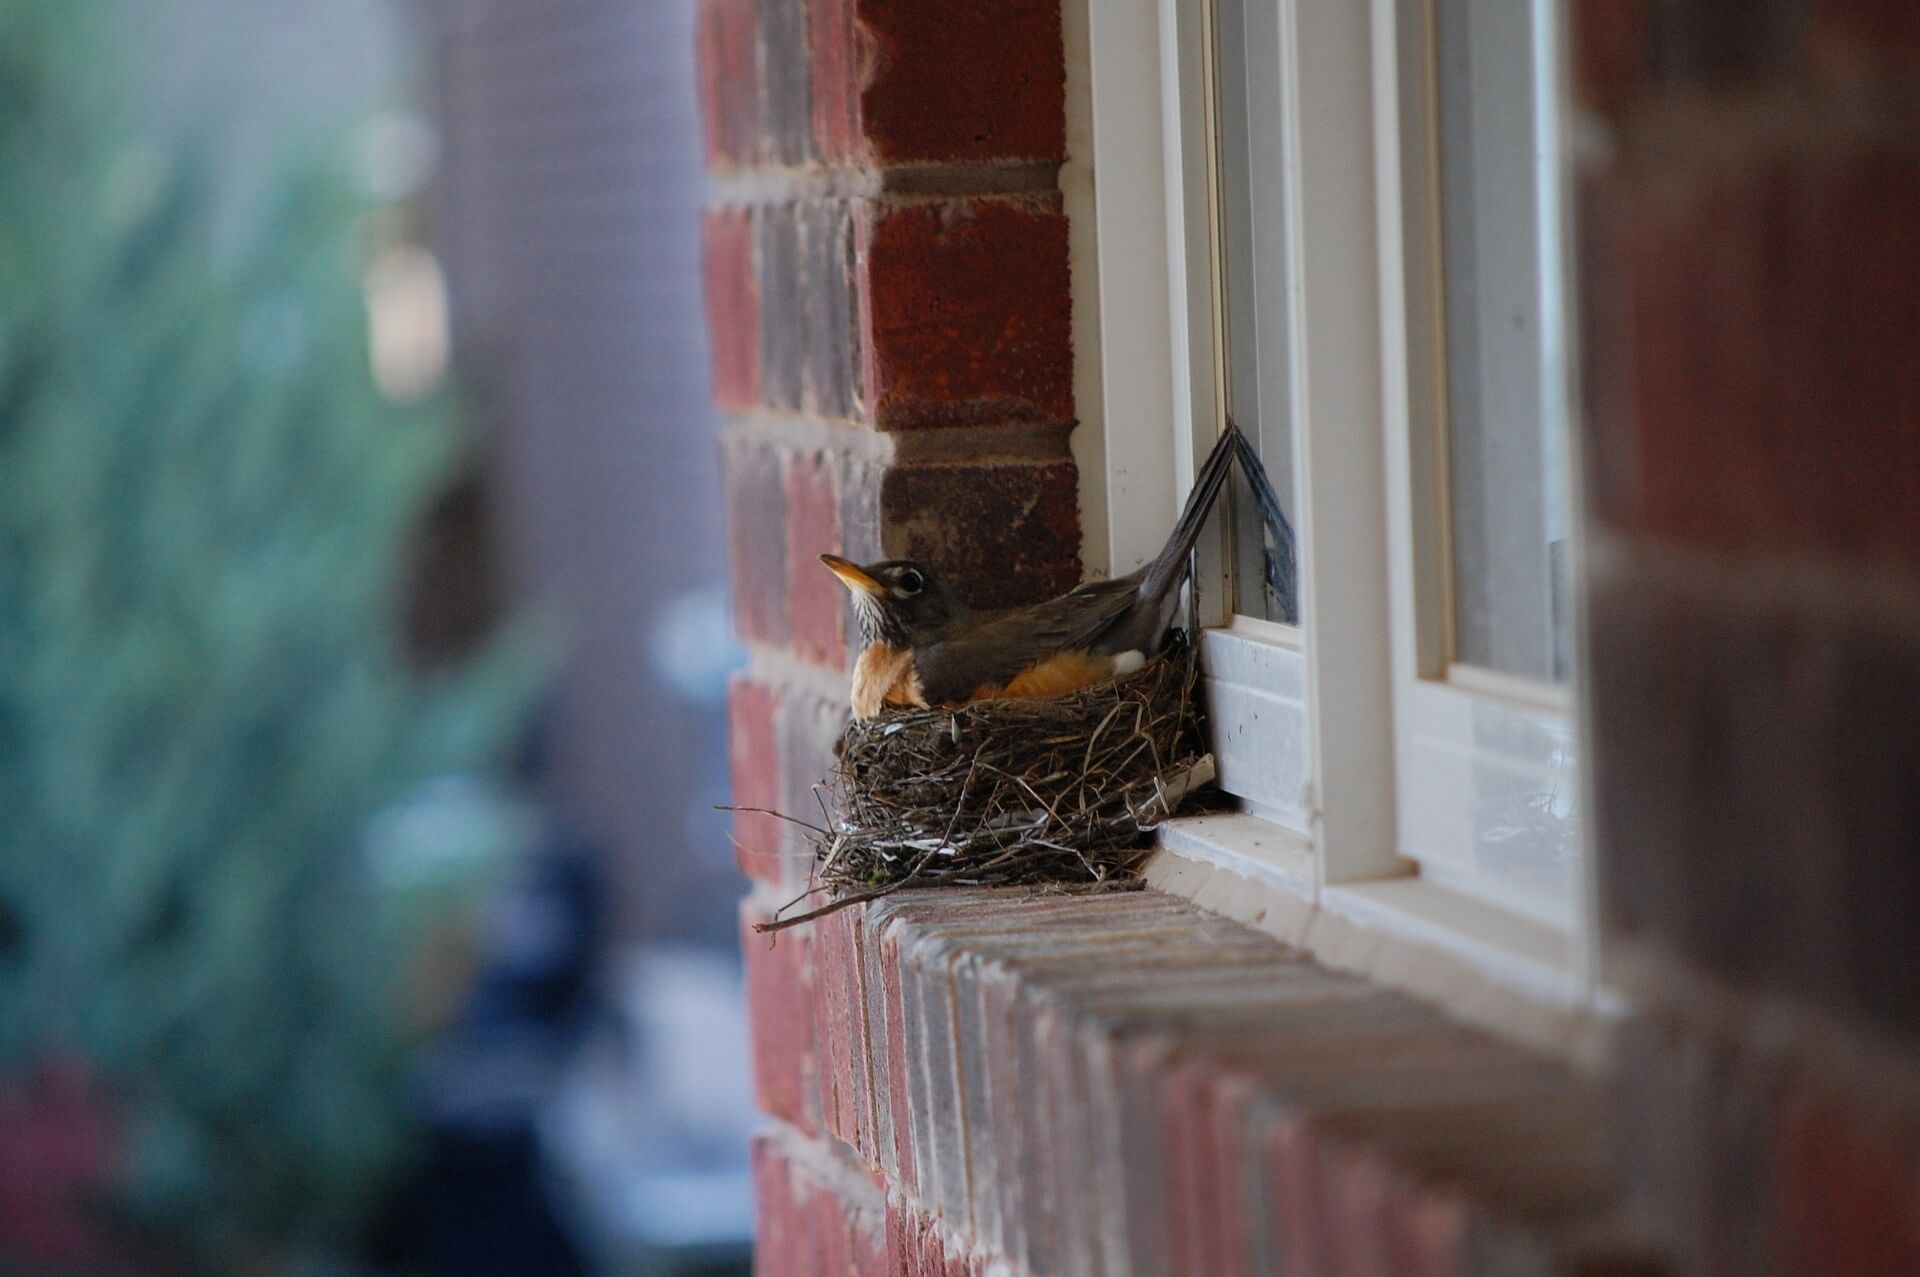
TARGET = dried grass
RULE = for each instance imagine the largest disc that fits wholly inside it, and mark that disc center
(1057, 791)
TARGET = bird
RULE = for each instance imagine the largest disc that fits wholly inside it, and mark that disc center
(925, 648)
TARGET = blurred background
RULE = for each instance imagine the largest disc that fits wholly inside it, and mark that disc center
(363, 646)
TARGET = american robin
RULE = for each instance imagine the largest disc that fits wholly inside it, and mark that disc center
(926, 648)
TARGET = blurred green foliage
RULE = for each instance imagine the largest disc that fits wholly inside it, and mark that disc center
(205, 511)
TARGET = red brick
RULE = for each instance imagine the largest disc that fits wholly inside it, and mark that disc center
(733, 306)
(1358, 1208)
(831, 1224)
(814, 1218)
(1084, 1033)
(870, 1250)
(1856, 36)
(780, 1235)
(1064, 1125)
(899, 1226)
(816, 599)
(1426, 1231)
(901, 1062)
(963, 80)
(780, 982)
(1008, 1092)
(1612, 48)
(865, 1065)
(1696, 1125)
(938, 81)
(926, 991)
(725, 41)
(967, 312)
(1849, 1194)
(838, 1009)
(757, 540)
(1756, 353)
(1235, 1168)
(932, 1258)
(754, 757)
(1192, 1166)
(882, 1157)
(1756, 766)
(1001, 533)
(839, 59)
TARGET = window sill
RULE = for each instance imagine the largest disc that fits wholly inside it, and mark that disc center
(1510, 974)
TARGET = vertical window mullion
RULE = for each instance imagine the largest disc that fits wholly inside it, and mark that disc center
(1327, 133)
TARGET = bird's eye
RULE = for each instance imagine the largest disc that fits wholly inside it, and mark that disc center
(911, 582)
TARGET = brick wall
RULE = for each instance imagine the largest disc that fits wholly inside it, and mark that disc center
(1004, 1084)
(886, 265)
(1749, 221)
(973, 1082)
(888, 296)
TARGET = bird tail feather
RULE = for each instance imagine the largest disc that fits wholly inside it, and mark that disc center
(1281, 563)
(1170, 565)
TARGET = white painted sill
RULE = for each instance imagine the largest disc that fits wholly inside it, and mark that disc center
(1512, 975)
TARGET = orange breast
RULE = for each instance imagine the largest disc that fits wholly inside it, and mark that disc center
(1066, 671)
(884, 676)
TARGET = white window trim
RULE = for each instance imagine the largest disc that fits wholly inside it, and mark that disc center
(1369, 649)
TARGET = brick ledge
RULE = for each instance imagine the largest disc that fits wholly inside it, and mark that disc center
(1130, 1085)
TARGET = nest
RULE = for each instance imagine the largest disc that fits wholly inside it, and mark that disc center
(1062, 790)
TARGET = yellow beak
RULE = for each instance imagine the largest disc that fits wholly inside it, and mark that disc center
(851, 575)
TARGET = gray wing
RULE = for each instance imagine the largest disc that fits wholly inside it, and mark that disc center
(1001, 645)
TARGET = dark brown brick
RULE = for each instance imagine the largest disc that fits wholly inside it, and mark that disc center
(1755, 348)
(1696, 1123)
(967, 312)
(1757, 777)
(1864, 36)
(1724, 42)
(733, 306)
(963, 80)
(1001, 533)
(1612, 47)
(757, 536)
(1849, 1192)
(938, 81)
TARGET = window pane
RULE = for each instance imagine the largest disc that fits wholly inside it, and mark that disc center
(1253, 291)
(1500, 200)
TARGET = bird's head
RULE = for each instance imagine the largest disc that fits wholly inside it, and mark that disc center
(900, 603)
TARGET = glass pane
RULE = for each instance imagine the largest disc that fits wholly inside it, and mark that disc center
(1253, 292)
(1500, 200)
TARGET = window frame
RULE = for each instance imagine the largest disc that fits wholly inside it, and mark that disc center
(1448, 712)
(1381, 697)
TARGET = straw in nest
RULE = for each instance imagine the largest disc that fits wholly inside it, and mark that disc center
(1061, 790)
